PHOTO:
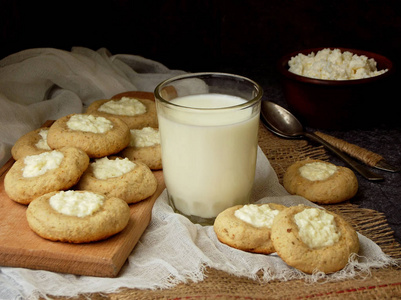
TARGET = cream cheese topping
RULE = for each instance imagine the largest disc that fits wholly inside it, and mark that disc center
(89, 123)
(42, 143)
(317, 170)
(78, 204)
(317, 228)
(334, 65)
(36, 165)
(145, 137)
(104, 168)
(257, 215)
(125, 106)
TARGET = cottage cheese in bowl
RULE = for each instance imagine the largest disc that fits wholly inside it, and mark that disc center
(332, 64)
(337, 88)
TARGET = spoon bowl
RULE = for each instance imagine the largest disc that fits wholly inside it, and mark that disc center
(281, 122)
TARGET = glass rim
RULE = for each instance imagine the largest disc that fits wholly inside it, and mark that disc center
(246, 104)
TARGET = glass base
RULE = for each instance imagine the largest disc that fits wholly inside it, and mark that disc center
(193, 219)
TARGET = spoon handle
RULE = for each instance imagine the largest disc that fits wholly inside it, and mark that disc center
(368, 157)
(353, 164)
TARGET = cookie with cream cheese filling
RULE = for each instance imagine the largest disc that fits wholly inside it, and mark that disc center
(313, 239)
(131, 181)
(35, 175)
(31, 143)
(145, 146)
(135, 112)
(247, 227)
(96, 135)
(320, 181)
(77, 216)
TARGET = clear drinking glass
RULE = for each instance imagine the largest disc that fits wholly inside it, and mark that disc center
(208, 124)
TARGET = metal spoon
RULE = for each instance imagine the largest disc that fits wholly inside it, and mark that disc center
(281, 122)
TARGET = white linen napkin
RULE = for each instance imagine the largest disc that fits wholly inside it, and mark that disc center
(172, 249)
(37, 85)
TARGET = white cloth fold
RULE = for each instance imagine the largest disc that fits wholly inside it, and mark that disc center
(42, 84)
(172, 249)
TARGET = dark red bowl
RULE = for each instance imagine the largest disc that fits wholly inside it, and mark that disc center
(337, 104)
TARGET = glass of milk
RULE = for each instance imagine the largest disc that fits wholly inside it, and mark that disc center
(208, 124)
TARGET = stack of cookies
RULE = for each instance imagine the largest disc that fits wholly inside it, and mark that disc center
(307, 238)
(79, 176)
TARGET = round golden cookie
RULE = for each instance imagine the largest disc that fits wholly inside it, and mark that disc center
(132, 187)
(147, 119)
(339, 187)
(111, 218)
(242, 235)
(94, 144)
(24, 189)
(296, 253)
(147, 152)
(151, 156)
(30, 143)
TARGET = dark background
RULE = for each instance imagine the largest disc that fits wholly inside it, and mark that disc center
(242, 37)
(245, 37)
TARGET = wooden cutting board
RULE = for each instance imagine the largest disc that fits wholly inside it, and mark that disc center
(21, 247)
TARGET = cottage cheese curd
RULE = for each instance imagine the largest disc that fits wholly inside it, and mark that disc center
(89, 123)
(36, 165)
(125, 106)
(257, 215)
(42, 143)
(104, 168)
(334, 65)
(317, 228)
(74, 203)
(145, 137)
(317, 170)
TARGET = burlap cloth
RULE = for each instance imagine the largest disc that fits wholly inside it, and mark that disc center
(380, 284)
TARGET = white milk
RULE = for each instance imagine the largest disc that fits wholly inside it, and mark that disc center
(209, 158)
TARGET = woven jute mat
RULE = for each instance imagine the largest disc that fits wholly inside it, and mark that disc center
(380, 284)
